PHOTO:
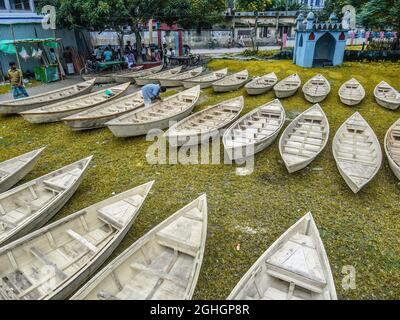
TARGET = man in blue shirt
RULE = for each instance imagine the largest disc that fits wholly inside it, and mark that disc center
(152, 92)
(107, 55)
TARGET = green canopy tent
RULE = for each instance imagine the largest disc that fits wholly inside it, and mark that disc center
(10, 46)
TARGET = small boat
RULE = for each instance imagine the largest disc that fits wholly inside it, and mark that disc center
(98, 116)
(56, 112)
(176, 80)
(52, 262)
(201, 126)
(162, 265)
(351, 92)
(131, 76)
(294, 267)
(255, 131)
(36, 101)
(156, 116)
(13, 170)
(206, 80)
(29, 206)
(316, 89)
(392, 148)
(387, 96)
(304, 139)
(260, 85)
(109, 77)
(357, 152)
(232, 82)
(155, 78)
(288, 86)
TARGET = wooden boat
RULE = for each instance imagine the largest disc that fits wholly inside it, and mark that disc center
(260, 85)
(392, 148)
(288, 86)
(294, 267)
(304, 139)
(201, 126)
(109, 77)
(13, 170)
(97, 117)
(206, 80)
(316, 89)
(36, 101)
(156, 116)
(56, 112)
(162, 265)
(231, 83)
(31, 205)
(176, 80)
(131, 76)
(155, 78)
(255, 131)
(351, 92)
(387, 96)
(357, 152)
(53, 262)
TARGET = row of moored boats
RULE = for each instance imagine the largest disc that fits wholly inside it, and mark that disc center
(55, 261)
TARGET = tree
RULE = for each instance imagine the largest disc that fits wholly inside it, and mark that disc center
(281, 5)
(381, 15)
(254, 5)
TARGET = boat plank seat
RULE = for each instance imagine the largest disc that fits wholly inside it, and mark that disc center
(184, 234)
(43, 259)
(297, 261)
(82, 240)
(120, 213)
(61, 182)
(159, 274)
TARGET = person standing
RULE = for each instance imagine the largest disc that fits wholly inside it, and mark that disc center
(151, 92)
(108, 55)
(16, 81)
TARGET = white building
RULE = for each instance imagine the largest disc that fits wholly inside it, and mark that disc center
(313, 4)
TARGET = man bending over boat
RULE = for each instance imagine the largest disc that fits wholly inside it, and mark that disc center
(16, 81)
(151, 93)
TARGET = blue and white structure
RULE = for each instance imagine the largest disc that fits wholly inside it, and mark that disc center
(320, 44)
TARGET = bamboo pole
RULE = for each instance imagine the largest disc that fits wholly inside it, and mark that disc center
(16, 51)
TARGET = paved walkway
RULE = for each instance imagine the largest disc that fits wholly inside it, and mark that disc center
(231, 50)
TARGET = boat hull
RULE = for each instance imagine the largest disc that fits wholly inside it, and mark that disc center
(285, 93)
(315, 99)
(350, 102)
(258, 91)
(387, 104)
(170, 83)
(224, 88)
(17, 109)
(140, 129)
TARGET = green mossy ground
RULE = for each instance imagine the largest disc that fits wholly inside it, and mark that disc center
(359, 230)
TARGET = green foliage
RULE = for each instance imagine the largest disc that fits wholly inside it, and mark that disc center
(253, 5)
(381, 14)
(259, 53)
(280, 5)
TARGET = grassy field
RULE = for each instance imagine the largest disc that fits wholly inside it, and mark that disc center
(358, 230)
(6, 87)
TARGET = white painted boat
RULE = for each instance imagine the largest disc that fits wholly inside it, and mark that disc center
(36, 101)
(206, 80)
(29, 206)
(131, 76)
(201, 126)
(255, 131)
(316, 89)
(98, 116)
(109, 77)
(288, 86)
(13, 170)
(162, 265)
(176, 80)
(294, 267)
(56, 112)
(261, 85)
(357, 152)
(387, 96)
(156, 116)
(155, 78)
(232, 82)
(53, 262)
(351, 92)
(392, 147)
(304, 139)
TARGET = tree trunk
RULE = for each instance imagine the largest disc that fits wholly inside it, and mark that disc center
(138, 46)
